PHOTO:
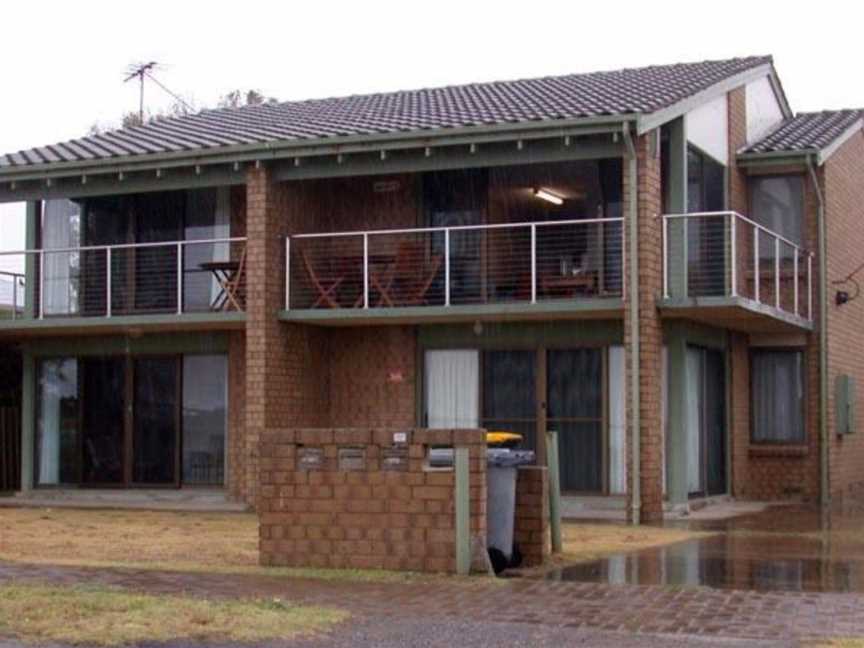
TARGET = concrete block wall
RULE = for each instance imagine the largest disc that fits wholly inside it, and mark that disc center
(364, 516)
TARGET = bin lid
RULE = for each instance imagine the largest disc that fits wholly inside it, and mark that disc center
(502, 438)
(508, 458)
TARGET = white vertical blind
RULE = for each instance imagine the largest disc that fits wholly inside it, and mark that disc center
(452, 389)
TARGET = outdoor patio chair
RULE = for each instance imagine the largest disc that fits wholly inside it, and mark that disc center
(407, 281)
(326, 287)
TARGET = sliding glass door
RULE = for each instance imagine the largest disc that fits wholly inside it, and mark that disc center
(706, 422)
(124, 421)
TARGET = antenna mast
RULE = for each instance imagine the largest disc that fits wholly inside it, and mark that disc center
(140, 70)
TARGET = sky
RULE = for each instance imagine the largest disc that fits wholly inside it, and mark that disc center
(64, 62)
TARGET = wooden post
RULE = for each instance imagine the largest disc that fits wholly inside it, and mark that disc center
(463, 534)
(554, 490)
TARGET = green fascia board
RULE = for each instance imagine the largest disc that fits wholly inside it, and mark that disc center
(565, 309)
(735, 302)
(775, 158)
(696, 334)
(264, 151)
(189, 342)
(56, 325)
(522, 335)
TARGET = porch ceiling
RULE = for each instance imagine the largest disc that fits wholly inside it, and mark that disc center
(736, 313)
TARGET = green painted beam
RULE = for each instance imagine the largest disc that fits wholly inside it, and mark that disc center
(168, 343)
(554, 471)
(121, 324)
(521, 335)
(677, 440)
(677, 204)
(599, 307)
(31, 242)
(463, 511)
(736, 302)
(28, 419)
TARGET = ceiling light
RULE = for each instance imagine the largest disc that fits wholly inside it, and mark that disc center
(545, 194)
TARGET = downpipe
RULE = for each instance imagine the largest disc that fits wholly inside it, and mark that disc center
(825, 483)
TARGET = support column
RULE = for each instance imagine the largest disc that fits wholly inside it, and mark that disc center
(286, 364)
(31, 238)
(676, 414)
(643, 335)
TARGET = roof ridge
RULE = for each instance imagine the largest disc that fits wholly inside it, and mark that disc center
(761, 59)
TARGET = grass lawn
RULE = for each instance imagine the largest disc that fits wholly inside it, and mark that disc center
(163, 540)
(113, 617)
(589, 541)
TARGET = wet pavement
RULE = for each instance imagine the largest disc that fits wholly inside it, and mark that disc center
(785, 548)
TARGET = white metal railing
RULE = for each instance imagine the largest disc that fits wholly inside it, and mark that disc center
(459, 265)
(727, 254)
(129, 278)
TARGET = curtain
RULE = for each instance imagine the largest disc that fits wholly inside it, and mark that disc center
(452, 389)
(778, 396)
(58, 383)
(617, 422)
(693, 420)
(208, 216)
(60, 228)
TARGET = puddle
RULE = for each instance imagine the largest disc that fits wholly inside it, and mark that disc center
(784, 549)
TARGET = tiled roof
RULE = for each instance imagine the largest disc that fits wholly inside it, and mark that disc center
(639, 90)
(811, 131)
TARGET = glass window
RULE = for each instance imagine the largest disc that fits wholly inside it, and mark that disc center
(57, 422)
(208, 216)
(777, 378)
(61, 223)
(509, 388)
(777, 203)
(205, 407)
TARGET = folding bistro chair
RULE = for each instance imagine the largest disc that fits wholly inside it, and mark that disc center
(325, 286)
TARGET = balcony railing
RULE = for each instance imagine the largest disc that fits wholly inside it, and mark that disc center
(725, 254)
(176, 277)
(455, 266)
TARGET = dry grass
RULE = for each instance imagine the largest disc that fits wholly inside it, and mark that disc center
(158, 540)
(583, 542)
(112, 617)
(853, 642)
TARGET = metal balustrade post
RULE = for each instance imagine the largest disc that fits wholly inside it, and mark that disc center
(108, 282)
(14, 297)
(685, 257)
(795, 272)
(287, 273)
(756, 286)
(776, 272)
(734, 270)
(533, 263)
(810, 287)
(179, 278)
(447, 267)
(665, 257)
(365, 270)
(41, 284)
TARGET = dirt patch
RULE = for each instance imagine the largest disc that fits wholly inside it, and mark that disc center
(112, 617)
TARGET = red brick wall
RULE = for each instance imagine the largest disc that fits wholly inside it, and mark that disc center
(366, 518)
(650, 327)
(373, 378)
(844, 198)
(531, 531)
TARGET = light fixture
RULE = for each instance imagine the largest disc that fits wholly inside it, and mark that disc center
(548, 196)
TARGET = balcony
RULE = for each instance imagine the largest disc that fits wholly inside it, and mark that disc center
(726, 270)
(161, 285)
(522, 270)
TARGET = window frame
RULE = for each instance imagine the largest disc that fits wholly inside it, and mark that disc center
(754, 351)
(751, 192)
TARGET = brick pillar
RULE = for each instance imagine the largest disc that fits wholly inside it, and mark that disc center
(649, 208)
(286, 364)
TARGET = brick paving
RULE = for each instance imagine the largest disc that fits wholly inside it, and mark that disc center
(644, 610)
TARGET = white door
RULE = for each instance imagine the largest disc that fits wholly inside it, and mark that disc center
(452, 389)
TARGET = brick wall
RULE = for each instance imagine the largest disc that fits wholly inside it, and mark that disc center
(531, 531)
(649, 207)
(844, 197)
(369, 516)
(373, 376)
